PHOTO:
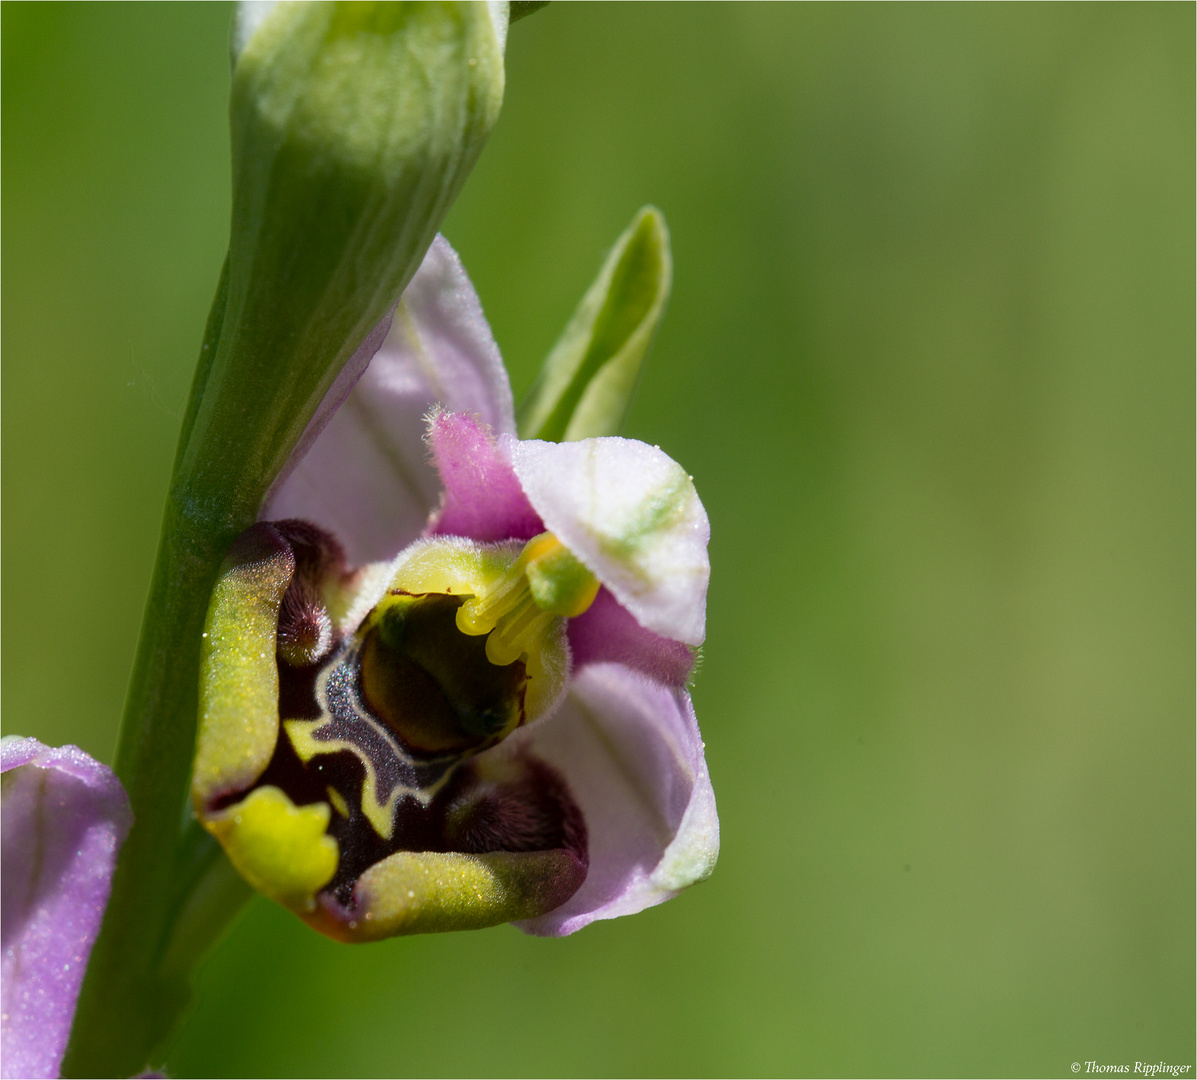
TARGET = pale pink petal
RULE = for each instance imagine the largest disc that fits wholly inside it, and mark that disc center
(366, 476)
(65, 817)
(632, 757)
(608, 632)
(483, 499)
(630, 513)
(453, 347)
(347, 378)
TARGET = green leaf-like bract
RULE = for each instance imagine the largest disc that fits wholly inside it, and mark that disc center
(585, 387)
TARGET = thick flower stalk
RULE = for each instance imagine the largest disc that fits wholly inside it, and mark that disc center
(353, 127)
(444, 681)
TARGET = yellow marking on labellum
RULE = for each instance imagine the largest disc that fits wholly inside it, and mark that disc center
(238, 676)
(338, 801)
(381, 815)
(281, 849)
(413, 892)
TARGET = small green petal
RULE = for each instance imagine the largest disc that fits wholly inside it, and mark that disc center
(585, 387)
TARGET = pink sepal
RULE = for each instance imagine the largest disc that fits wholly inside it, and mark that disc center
(482, 498)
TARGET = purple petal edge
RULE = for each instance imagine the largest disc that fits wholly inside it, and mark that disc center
(482, 500)
(65, 817)
(608, 632)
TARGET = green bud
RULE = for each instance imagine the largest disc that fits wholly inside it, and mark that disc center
(353, 127)
(585, 387)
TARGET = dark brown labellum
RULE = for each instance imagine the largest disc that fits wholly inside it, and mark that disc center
(385, 727)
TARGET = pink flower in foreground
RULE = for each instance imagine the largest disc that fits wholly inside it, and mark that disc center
(65, 817)
(444, 679)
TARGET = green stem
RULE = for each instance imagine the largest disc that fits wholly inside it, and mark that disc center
(127, 1007)
(353, 128)
(212, 894)
(130, 999)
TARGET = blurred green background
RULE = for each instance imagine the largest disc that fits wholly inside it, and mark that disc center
(930, 359)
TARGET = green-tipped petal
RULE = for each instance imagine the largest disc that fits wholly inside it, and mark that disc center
(585, 387)
(629, 513)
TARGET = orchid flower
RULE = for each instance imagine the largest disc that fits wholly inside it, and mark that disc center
(64, 818)
(443, 681)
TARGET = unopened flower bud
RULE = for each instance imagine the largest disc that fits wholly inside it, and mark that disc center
(353, 127)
